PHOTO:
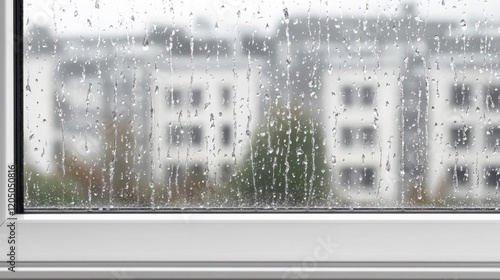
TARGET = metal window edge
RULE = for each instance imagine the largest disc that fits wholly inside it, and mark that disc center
(292, 271)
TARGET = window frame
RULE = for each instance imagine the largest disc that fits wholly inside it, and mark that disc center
(232, 245)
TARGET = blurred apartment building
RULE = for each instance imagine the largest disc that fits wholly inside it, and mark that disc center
(464, 116)
(206, 106)
(152, 111)
(365, 80)
(405, 104)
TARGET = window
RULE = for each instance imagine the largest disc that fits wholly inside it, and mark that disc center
(460, 96)
(364, 95)
(226, 135)
(492, 96)
(347, 136)
(176, 135)
(492, 177)
(175, 98)
(353, 177)
(196, 98)
(128, 189)
(364, 136)
(367, 95)
(461, 137)
(196, 135)
(174, 174)
(459, 175)
(492, 137)
(367, 177)
(347, 95)
(226, 96)
(368, 136)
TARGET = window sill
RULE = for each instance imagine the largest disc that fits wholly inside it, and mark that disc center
(259, 245)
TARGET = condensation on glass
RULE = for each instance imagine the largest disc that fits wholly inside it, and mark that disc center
(230, 104)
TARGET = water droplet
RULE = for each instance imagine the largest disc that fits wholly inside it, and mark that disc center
(75, 13)
(145, 43)
(463, 24)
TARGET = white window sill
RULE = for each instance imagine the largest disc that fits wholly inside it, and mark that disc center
(259, 245)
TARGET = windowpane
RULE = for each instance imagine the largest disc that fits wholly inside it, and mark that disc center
(367, 95)
(460, 95)
(251, 104)
(492, 137)
(492, 177)
(196, 135)
(492, 94)
(459, 175)
(461, 137)
(226, 96)
(196, 98)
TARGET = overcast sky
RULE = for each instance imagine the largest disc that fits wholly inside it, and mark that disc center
(137, 15)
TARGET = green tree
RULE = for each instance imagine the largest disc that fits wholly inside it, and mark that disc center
(286, 164)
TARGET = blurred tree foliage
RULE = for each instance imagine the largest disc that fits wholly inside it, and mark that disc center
(286, 164)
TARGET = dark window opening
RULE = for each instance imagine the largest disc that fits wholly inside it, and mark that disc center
(461, 137)
(368, 135)
(174, 174)
(175, 132)
(196, 97)
(347, 136)
(347, 96)
(367, 95)
(493, 97)
(492, 177)
(460, 95)
(226, 135)
(196, 135)
(346, 175)
(459, 175)
(175, 98)
(367, 177)
(492, 137)
(226, 96)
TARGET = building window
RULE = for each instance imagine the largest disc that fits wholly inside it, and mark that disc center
(196, 170)
(196, 135)
(459, 175)
(493, 97)
(174, 174)
(347, 95)
(196, 97)
(226, 135)
(492, 177)
(347, 136)
(174, 98)
(368, 136)
(492, 137)
(367, 175)
(346, 175)
(175, 135)
(367, 95)
(460, 95)
(461, 137)
(363, 177)
(226, 96)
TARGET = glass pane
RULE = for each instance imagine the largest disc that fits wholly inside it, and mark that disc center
(233, 104)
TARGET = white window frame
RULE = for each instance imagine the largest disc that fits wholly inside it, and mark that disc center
(232, 246)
